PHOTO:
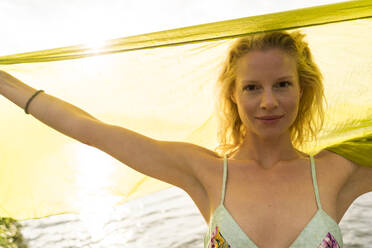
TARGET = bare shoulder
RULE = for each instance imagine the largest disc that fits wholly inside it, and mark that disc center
(204, 164)
(203, 161)
(334, 160)
(340, 167)
(354, 179)
(356, 173)
(360, 177)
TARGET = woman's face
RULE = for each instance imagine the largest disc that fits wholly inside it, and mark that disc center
(267, 87)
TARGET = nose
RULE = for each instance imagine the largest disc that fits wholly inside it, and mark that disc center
(268, 100)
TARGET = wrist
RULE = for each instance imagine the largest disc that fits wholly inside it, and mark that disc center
(15, 90)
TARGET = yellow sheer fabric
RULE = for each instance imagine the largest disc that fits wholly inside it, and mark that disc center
(161, 85)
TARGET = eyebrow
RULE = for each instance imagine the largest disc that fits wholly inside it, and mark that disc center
(254, 81)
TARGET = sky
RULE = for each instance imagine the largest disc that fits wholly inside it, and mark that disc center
(32, 25)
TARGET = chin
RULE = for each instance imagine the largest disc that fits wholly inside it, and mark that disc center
(269, 132)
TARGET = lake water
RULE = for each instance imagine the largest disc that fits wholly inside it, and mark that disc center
(166, 219)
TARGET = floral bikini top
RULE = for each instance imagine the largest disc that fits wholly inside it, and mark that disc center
(320, 232)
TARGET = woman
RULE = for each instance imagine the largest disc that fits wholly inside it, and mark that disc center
(274, 195)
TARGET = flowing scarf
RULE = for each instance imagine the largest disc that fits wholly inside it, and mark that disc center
(161, 85)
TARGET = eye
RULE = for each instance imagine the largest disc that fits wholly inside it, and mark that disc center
(250, 87)
(284, 84)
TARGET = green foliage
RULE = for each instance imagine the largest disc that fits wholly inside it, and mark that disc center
(10, 235)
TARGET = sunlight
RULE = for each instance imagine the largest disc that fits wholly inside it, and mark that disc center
(96, 46)
(94, 170)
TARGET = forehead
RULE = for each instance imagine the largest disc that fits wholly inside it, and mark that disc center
(262, 64)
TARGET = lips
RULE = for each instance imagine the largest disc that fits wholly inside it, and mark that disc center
(269, 117)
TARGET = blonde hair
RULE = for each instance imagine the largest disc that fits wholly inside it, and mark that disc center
(310, 117)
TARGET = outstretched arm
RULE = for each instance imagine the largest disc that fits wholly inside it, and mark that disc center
(50, 110)
(177, 163)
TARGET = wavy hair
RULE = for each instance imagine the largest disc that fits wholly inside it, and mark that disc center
(310, 117)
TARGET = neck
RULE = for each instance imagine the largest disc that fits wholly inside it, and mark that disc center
(267, 152)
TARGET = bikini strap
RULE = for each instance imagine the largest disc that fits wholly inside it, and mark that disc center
(313, 172)
(224, 179)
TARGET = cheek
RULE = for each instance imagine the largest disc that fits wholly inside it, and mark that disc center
(291, 108)
(247, 107)
(246, 110)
